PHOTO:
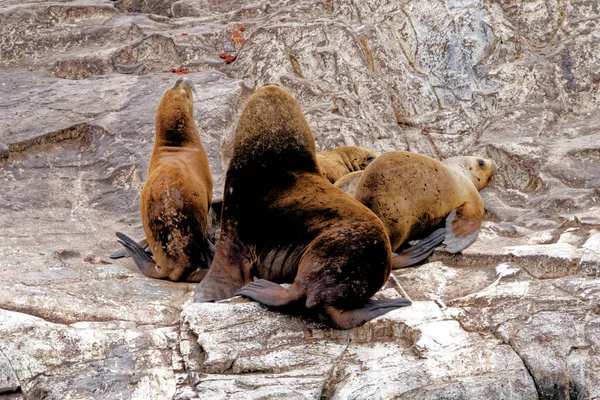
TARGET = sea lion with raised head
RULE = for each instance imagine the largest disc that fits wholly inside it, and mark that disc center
(340, 161)
(291, 225)
(413, 193)
(176, 196)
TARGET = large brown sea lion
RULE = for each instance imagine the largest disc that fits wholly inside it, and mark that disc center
(176, 197)
(284, 222)
(412, 194)
(340, 161)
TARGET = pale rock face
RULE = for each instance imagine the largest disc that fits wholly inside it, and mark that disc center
(515, 316)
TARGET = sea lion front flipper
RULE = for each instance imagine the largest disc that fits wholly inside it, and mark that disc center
(123, 252)
(346, 319)
(462, 227)
(419, 251)
(144, 262)
(269, 293)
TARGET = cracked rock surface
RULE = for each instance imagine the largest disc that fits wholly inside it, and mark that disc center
(515, 316)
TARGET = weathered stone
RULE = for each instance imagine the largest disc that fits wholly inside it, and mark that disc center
(88, 359)
(406, 353)
(514, 314)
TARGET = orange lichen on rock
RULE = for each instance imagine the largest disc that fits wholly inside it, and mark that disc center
(179, 71)
(229, 58)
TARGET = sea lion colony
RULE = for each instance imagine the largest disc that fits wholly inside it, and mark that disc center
(293, 225)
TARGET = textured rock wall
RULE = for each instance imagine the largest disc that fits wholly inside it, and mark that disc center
(516, 315)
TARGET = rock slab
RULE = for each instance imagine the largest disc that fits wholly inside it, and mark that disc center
(514, 316)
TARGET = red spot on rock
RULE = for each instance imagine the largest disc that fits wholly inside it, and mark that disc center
(179, 71)
(229, 58)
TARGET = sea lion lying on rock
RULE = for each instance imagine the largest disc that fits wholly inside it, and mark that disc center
(176, 197)
(284, 222)
(340, 161)
(413, 193)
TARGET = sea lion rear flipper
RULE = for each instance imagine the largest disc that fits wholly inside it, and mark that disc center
(197, 275)
(346, 319)
(123, 252)
(419, 251)
(269, 293)
(144, 262)
(462, 227)
(207, 257)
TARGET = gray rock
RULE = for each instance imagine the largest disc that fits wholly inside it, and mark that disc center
(516, 315)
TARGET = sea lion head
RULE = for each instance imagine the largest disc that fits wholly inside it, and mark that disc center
(361, 157)
(175, 114)
(272, 135)
(479, 170)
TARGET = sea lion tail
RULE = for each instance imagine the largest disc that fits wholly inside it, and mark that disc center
(144, 262)
(419, 251)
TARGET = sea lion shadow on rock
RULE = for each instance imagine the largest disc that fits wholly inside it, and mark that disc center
(283, 222)
(176, 197)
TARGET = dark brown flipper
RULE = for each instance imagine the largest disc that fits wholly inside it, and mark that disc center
(269, 293)
(229, 270)
(419, 251)
(200, 273)
(123, 252)
(217, 207)
(346, 319)
(197, 275)
(144, 262)
(462, 227)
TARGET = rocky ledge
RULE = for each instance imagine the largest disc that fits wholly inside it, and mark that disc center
(515, 316)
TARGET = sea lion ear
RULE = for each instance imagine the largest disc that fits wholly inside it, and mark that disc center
(462, 228)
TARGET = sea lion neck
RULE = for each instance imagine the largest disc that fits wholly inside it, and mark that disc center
(176, 131)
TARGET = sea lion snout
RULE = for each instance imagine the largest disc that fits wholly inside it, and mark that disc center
(494, 168)
(183, 82)
(270, 84)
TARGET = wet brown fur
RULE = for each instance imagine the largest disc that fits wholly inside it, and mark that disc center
(413, 193)
(176, 197)
(340, 161)
(292, 225)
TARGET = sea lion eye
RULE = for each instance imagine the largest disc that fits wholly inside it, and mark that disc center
(481, 164)
(370, 158)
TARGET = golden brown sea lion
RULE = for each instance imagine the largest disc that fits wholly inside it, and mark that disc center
(412, 194)
(176, 196)
(340, 161)
(293, 226)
